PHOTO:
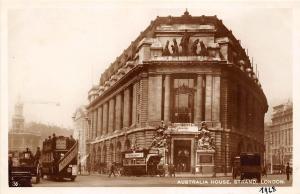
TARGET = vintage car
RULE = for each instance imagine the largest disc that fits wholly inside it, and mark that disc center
(22, 167)
(250, 166)
(142, 162)
(236, 167)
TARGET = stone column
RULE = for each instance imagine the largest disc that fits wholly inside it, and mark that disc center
(126, 108)
(198, 100)
(144, 99)
(111, 115)
(105, 114)
(167, 99)
(208, 98)
(95, 123)
(134, 100)
(118, 111)
(100, 128)
(91, 124)
(216, 98)
(154, 99)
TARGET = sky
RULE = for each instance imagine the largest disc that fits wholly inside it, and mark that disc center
(56, 54)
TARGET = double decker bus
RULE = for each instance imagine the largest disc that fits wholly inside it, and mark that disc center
(59, 158)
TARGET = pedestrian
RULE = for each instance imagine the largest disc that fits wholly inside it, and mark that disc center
(53, 141)
(172, 170)
(72, 140)
(79, 167)
(10, 165)
(28, 154)
(265, 171)
(287, 171)
(37, 156)
(112, 170)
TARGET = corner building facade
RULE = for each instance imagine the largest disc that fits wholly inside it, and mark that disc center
(180, 70)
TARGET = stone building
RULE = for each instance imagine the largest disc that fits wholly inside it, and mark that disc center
(18, 138)
(279, 147)
(183, 71)
(79, 133)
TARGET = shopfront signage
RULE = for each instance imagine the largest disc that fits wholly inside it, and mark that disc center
(134, 155)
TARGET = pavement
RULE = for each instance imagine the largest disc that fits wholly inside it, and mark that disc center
(181, 180)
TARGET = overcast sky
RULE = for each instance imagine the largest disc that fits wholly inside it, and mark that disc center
(56, 54)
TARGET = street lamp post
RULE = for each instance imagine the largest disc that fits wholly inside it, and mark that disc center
(271, 148)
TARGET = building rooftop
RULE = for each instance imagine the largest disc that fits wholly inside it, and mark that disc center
(149, 32)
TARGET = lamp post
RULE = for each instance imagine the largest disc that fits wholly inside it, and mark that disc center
(196, 157)
(168, 149)
(271, 149)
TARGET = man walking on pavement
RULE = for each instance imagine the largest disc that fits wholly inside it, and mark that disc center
(112, 169)
(287, 171)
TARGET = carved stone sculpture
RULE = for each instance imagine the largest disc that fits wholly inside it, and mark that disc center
(203, 51)
(184, 43)
(206, 142)
(160, 138)
(175, 49)
(166, 51)
(194, 47)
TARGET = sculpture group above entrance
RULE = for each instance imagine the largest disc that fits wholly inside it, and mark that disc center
(206, 141)
(188, 47)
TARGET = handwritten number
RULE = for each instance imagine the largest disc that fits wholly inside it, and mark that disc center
(261, 190)
(267, 190)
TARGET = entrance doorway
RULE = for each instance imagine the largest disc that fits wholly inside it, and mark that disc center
(182, 155)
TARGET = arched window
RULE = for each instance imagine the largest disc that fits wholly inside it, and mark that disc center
(98, 157)
(111, 151)
(183, 100)
(119, 154)
(94, 158)
(127, 144)
(104, 158)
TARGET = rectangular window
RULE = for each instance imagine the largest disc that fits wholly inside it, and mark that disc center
(183, 100)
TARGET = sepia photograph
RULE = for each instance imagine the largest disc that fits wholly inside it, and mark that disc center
(148, 94)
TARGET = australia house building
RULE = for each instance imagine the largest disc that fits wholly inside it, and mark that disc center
(183, 71)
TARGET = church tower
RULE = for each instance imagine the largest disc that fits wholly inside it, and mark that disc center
(18, 118)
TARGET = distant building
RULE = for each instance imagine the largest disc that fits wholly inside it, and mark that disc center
(267, 137)
(183, 71)
(79, 133)
(19, 138)
(279, 135)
